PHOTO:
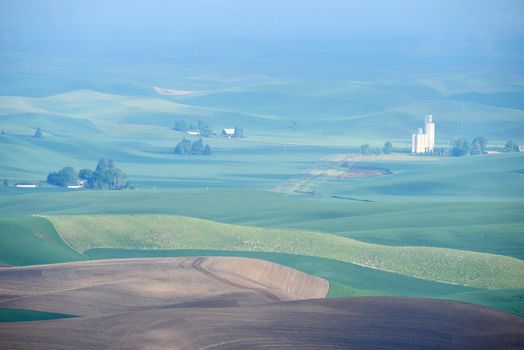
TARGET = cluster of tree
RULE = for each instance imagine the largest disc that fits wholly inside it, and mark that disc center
(478, 145)
(38, 133)
(367, 149)
(105, 176)
(239, 132)
(388, 148)
(65, 177)
(187, 147)
(511, 146)
(201, 126)
(461, 146)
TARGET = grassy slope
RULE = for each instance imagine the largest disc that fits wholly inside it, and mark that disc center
(350, 279)
(476, 177)
(172, 232)
(351, 112)
(31, 241)
(473, 210)
(346, 279)
(480, 225)
(363, 280)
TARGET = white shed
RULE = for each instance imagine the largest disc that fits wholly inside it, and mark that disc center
(228, 132)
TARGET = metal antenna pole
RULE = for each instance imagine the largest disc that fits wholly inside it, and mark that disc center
(462, 121)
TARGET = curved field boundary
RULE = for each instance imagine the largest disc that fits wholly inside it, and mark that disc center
(345, 323)
(91, 288)
(174, 232)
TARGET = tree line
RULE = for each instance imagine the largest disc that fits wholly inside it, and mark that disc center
(198, 147)
(461, 146)
(202, 127)
(105, 176)
(368, 149)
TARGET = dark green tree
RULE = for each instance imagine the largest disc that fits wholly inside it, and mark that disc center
(70, 175)
(38, 133)
(459, 147)
(365, 149)
(107, 176)
(64, 177)
(179, 149)
(197, 147)
(204, 129)
(207, 151)
(475, 149)
(239, 132)
(511, 146)
(85, 174)
(181, 125)
(184, 147)
(187, 145)
(388, 148)
(478, 145)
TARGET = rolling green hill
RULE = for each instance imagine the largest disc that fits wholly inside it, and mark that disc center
(346, 279)
(438, 219)
(32, 241)
(490, 225)
(173, 232)
(263, 112)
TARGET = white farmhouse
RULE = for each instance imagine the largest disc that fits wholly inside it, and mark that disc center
(228, 133)
(424, 142)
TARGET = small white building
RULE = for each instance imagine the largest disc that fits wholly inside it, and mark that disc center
(79, 184)
(25, 185)
(424, 142)
(228, 133)
(193, 132)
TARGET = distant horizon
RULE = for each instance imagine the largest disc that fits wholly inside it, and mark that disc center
(400, 32)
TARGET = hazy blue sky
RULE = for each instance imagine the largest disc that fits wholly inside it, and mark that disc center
(485, 25)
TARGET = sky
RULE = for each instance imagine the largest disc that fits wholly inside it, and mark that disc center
(486, 26)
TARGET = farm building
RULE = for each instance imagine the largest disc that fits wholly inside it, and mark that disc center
(79, 184)
(25, 185)
(424, 142)
(228, 133)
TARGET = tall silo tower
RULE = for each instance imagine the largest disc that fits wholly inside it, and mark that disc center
(421, 141)
(430, 132)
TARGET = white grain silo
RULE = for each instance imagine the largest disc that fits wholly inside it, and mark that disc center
(421, 142)
(430, 133)
(424, 142)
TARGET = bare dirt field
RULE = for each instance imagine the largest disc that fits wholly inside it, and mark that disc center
(113, 286)
(338, 167)
(230, 303)
(354, 323)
